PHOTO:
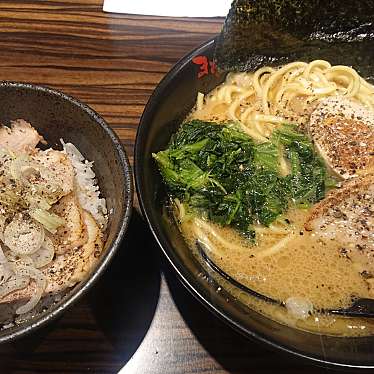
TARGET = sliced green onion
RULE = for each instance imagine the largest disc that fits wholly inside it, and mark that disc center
(50, 221)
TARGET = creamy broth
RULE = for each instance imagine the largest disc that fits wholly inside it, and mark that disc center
(304, 267)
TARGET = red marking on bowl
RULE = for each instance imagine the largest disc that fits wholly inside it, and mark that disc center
(206, 66)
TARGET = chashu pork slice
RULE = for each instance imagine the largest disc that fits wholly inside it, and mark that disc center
(343, 133)
(73, 232)
(72, 266)
(66, 269)
(346, 216)
(20, 137)
(57, 169)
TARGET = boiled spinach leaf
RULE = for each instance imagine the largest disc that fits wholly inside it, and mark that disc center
(220, 173)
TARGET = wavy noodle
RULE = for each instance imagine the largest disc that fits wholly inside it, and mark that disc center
(262, 100)
(202, 229)
(208, 228)
(276, 248)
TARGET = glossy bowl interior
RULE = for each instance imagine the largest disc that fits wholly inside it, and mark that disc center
(57, 116)
(168, 106)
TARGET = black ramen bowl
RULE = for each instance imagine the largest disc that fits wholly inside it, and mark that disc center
(58, 116)
(170, 103)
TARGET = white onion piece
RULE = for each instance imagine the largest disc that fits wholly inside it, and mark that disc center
(44, 255)
(3, 259)
(71, 150)
(28, 171)
(41, 284)
(299, 307)
(15, 260)
(2, 226)
(22, 169)
(13, 284)
(5, 273)
(16, 165)
(23, 236)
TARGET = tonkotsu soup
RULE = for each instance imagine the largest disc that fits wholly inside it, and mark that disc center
(271, 177)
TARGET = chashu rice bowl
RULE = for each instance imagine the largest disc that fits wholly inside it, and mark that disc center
(52, 221)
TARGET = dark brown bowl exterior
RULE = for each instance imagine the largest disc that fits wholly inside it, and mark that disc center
(58, 116)
(168, 106)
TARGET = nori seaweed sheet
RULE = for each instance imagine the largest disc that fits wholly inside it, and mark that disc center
(272, 32)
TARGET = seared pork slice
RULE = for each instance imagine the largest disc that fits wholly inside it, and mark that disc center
(73, 233)
(20, 137)
(71, 267)
(67, 269)
(343, 133)
(346, 216)
(59, 171)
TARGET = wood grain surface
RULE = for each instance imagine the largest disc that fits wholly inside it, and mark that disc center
(139, 318)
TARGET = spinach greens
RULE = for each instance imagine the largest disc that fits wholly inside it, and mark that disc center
(220, 173)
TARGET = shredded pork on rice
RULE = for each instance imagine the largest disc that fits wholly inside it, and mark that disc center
(52, 219)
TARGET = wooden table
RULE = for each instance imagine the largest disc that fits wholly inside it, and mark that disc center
(139, 318)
